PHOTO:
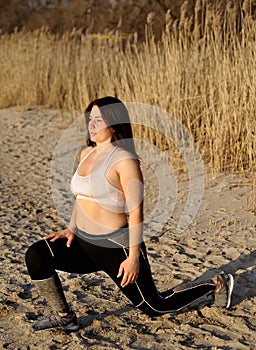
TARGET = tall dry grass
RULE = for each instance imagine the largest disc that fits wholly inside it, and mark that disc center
(204, 76)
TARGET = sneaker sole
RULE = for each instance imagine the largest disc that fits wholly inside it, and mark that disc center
(230, 285)
(72, 328)
(66, 328)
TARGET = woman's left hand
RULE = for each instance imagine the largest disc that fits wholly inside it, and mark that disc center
(129, 268)
(67, 234)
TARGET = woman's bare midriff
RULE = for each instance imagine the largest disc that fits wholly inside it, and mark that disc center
(94, 219)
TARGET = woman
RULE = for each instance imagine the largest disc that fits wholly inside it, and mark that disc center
(108, 186)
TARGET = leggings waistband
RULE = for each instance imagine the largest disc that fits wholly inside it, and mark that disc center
(120, 237)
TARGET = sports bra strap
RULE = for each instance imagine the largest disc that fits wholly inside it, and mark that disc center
(87, 155)
(106, 161)
(109, 157)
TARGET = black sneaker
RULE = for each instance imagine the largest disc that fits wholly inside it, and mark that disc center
(223, 296)
(68, 322)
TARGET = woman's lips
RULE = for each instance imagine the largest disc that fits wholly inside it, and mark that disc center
(93, 132)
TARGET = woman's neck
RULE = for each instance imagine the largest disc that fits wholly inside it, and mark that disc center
(103, 146)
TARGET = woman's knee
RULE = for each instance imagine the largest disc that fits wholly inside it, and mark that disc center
(39, 260)
(147, 310)
(33, 252)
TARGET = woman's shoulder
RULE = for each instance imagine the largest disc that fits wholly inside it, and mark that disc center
(127, 165)
(85, 151)
(123, 159)
(123, 154)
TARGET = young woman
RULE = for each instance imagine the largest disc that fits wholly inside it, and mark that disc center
(108, 186)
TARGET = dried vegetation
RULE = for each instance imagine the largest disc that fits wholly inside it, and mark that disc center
(202, 69)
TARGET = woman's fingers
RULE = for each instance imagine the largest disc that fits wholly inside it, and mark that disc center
(56, 237)
(53, 236)
(128, 278)
(124, 280)
(62, 234)
(69, 241)
(50, 235)
(133, 280)
(129, 273)
(120, 271)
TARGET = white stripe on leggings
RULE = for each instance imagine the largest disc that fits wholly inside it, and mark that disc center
(49, 247)
(144, 300)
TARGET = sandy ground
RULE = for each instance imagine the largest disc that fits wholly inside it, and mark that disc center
(221, 237)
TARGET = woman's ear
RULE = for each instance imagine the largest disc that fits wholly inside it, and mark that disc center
(114, 136)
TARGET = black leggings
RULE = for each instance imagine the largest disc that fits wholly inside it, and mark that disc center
(87, 255)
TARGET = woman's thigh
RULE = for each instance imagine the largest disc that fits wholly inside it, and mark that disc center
(44, 257)
(72, 259)
(144, 286)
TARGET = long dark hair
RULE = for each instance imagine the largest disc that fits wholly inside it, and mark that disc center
(116, 115)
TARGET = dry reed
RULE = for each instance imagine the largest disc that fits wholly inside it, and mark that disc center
(205, 78)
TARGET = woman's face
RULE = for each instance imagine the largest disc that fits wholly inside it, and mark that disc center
(98, 128)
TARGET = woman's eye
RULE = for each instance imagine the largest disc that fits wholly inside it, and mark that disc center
(98, 120)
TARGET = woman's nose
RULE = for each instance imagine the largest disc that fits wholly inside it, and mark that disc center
(91, 123)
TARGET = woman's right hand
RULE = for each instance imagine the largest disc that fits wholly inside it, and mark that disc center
(67, 234)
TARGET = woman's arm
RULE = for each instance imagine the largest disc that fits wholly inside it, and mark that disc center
(68, 233)
(131, 181)
(72, 223)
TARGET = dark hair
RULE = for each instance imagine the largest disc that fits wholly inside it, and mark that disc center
(116, 115)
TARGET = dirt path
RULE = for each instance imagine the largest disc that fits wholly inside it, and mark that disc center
(222, 237)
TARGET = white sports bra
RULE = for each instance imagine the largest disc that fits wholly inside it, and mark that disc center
(96, 188)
